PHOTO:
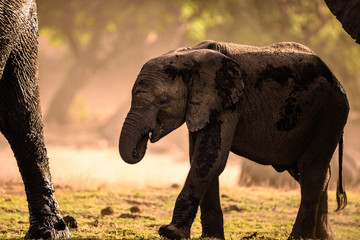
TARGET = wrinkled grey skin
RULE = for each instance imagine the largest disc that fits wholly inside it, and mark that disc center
(347, 12)
(277, 105)
(20, 115)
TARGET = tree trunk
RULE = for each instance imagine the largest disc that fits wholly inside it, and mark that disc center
(77, 78)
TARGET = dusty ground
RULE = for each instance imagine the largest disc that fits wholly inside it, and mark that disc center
(83, 160)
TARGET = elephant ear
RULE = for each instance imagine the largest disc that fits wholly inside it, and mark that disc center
(348, 13)
(217, 86)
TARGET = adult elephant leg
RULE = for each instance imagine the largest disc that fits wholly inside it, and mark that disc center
(323, 229)
(212, 146)
(21, 124)
(210, 207)
(46, 221)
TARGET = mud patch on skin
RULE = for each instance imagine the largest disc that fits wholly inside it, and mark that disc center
(304, 72)
(302, 81)
(185, 211)
(209, 147)
(188, 70)
(280, 75)
(299, 100)
(289, 115)
(228, 91)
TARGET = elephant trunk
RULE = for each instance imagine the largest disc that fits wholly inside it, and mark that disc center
(133, 138)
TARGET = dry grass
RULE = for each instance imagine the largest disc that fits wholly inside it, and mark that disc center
(268, 213)
(89, 173)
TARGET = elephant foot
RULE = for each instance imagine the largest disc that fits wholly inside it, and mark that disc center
(172, 232)
(42, 230)
(298, 237)
(323, 229)
(324, 234)
(211, 234)
(215, 231)
(212, 225)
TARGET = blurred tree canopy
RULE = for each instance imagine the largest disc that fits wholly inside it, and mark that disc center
(99, 33)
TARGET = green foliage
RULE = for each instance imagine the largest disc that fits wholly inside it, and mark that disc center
(188, 9)
(111, 26)
(270, 213)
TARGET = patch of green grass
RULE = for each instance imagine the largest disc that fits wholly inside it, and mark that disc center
(270, 213)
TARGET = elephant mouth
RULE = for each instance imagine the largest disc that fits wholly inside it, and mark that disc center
(156, 133)
(153, 135)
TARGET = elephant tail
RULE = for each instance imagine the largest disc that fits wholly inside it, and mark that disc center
(340, 191)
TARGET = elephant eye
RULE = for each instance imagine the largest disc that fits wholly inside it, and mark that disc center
(139, 91)
(163, 100)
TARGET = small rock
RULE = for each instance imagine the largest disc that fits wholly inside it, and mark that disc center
(233, 208)
(95, 223)
(107, 211)
(70, 222)
(224, 196)
(135, 209)
(175, 186)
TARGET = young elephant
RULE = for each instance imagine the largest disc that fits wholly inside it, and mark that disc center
(277, 105)
(20, 115)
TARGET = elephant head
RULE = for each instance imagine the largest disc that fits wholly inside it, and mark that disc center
(191, 85)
